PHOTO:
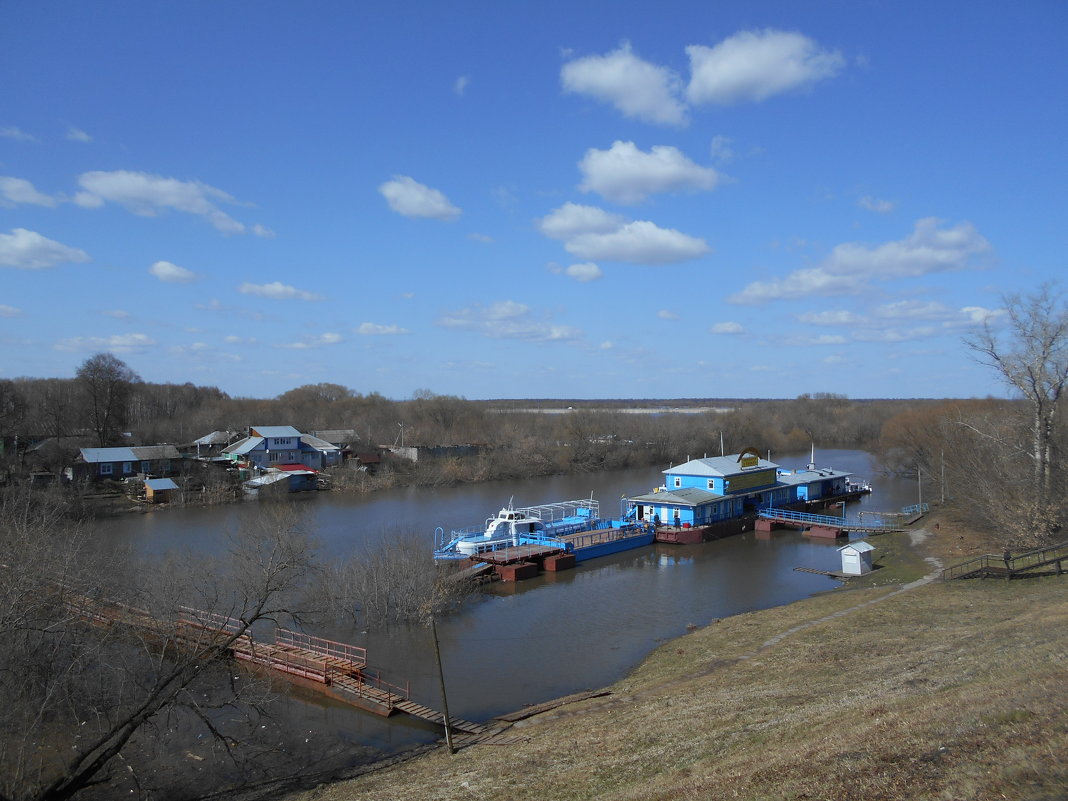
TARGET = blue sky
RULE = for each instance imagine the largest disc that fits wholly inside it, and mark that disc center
(513, 199)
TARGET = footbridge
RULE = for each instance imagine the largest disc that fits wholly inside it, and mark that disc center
(828, 526)
(1007, 566)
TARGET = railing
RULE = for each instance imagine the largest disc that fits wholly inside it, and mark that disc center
(830, 521)
(916, 509)
(354, 654)
(1014, 565)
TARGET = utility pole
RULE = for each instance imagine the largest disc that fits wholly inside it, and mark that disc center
(441, 679)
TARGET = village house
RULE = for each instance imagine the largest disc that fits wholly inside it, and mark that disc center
(96, 464)
(273, 446)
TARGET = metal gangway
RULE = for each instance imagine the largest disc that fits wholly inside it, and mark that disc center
(789, 517)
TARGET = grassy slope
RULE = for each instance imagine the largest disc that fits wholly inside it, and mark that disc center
(944, 691)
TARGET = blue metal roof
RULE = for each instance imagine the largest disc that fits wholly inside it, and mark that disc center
(244, 446)
(161, 484)
(97, 455)
(275, 431)
(718, 466)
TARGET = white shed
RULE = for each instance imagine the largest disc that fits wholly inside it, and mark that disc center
(856, 558)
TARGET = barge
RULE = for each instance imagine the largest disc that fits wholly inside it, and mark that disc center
(573, 528)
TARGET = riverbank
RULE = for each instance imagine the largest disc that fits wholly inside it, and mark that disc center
(891, 687)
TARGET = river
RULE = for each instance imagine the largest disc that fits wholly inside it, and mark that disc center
(546, 637)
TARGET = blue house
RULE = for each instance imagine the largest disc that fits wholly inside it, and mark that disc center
(705, 491)
(273, 446)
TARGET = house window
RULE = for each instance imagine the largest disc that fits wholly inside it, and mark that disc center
(711, 483)
(272, 456)
(146, 467)
(678, 481)
(106, 468)
(127, 467)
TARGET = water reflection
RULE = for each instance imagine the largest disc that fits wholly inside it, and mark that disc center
(553, 635)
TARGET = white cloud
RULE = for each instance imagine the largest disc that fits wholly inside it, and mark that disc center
(11, 132)
(9, 311)
(665, 314)
(78, 135)
(639, 242)
(721, 150)
(374, 329)
(584, 272)
(838, 317)
(852, 266)
(875, 204)
(727, 328)
(314, 341)
(116, 314)
(637, 88)
(28, 250)
(277, 290)
(625, 174)
(171, 273)
(596, 235)
(119, 343)
(928, 249)
(607, 345)
(755, 65)
(979, 315)
(15, 191)
(892, 335)
(263, 231)
(410, 198)
(460, 86)
(147, 195)
(508, 320)
(913, 310)
(481, 238)
(572, 219)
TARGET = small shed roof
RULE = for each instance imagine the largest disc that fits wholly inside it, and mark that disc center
(859, 547)
(157, 484)
(338, 436)
(215, 438)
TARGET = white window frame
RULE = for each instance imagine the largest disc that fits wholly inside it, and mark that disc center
(106, 468)
(678, 481)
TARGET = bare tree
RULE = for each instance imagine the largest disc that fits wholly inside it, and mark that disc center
(106, 383)
(1033, 359)
(98, 674)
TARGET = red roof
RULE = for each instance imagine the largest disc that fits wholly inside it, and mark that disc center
(289, 468)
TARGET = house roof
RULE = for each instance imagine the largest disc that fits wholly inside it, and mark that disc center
(689, 496)
(718, 466)
(243, 446)
(215, 438)
(158, 484)
(296, 468)
(338, 436)
(274, 431)
(810, 476)
(133, 454)
(318, 444)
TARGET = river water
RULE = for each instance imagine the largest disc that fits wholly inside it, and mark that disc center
(546, 637)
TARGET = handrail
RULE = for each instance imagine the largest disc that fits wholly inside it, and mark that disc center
(1022, 562)
(831, 521)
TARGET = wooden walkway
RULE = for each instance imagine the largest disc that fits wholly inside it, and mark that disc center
(997, 566)
(335, 669)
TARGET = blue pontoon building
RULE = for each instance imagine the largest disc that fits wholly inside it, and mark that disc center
(712, 497)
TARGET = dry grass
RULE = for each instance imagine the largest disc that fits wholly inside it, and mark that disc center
(947, 691)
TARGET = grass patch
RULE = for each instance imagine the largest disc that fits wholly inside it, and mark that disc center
(951, 690)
